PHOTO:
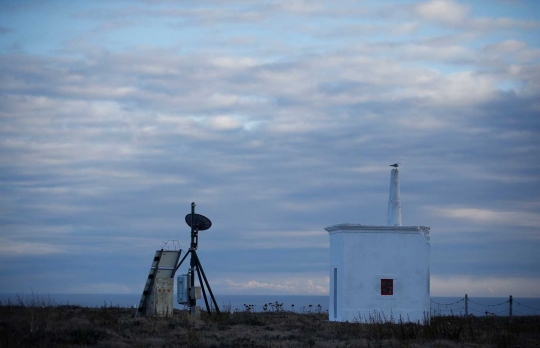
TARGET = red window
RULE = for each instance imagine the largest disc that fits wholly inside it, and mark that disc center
(387, 286)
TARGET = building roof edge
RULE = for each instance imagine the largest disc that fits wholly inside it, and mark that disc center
(346, 227)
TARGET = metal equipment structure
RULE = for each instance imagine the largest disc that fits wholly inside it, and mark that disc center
(165, 264)
(197, 223)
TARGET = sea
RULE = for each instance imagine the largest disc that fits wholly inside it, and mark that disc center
(477, 306)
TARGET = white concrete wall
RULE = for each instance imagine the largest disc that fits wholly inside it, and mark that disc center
(336, 273)
(362, 256)
(160, 303)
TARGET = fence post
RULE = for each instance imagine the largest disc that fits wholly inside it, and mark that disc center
(510, 300)
(466, 305)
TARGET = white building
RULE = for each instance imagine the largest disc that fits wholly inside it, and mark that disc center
(380, 272)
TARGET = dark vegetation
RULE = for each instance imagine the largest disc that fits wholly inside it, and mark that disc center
(40, 323)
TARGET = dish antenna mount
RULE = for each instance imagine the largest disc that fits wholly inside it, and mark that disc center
(197, 223)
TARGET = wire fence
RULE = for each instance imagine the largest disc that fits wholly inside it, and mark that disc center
(467, 307)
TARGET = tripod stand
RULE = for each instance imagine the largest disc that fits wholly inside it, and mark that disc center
(197, 222)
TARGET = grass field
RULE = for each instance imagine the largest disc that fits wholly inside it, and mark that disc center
(40, 323)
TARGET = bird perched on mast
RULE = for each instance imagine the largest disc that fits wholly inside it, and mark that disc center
(395, 165)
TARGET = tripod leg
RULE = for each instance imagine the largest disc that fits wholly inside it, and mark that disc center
(206, 281)
(180, 264)
(203, 291)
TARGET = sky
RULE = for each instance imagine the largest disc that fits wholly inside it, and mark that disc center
(278, 118)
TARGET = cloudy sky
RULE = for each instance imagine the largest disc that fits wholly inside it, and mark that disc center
(278, 118)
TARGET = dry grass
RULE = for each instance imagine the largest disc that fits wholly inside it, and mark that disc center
(41, 323)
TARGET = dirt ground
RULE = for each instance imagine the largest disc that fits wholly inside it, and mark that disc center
(75, 326)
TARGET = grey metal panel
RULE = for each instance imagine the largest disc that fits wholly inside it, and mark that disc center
(168, 259)
(164, 273)
(159, 273)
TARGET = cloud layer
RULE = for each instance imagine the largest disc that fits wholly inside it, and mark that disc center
(278, 119)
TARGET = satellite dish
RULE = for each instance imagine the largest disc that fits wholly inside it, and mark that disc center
(200, 222)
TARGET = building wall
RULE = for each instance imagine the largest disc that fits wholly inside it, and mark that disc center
(336, 277)
(362, 256)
